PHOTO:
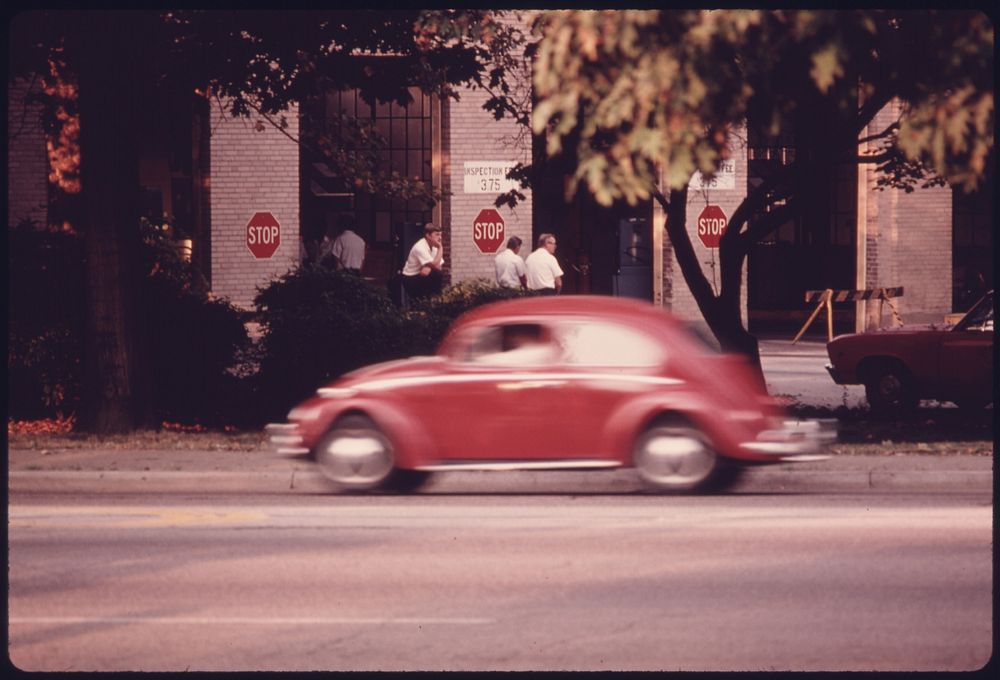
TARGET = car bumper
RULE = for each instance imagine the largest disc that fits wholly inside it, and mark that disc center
(285, 438)
(838, 377)
(795, 440)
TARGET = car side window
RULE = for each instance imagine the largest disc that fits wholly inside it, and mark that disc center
(515, 344)
(603, 344)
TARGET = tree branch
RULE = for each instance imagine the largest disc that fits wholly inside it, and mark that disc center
(771, 221)
(878, 158)
(885, 133)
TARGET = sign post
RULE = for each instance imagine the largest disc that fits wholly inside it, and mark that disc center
(488, 231)
(712, 224)
(263, 235)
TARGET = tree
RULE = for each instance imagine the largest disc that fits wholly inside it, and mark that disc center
(255, 63)
(628, 94)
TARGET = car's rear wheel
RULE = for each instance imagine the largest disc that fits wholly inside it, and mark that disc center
(675, 456)
(890, 391)
(357, 456)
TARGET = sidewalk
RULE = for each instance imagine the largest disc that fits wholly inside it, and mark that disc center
(261, 471)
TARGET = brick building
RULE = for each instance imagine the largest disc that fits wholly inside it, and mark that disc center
(931, 241)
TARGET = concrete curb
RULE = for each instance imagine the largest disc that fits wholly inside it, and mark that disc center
(754, 480)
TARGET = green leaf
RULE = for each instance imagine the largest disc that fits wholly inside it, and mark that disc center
(826, 67)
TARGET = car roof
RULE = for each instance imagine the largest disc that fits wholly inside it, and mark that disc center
(603, 306)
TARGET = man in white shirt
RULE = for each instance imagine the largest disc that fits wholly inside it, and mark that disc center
(509, 265)
(348, 249)
(543, 273)
(422, 275)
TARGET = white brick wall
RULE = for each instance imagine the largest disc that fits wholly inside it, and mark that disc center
(472, 134)
(27, 158)
(909, 237)
(252, 171)
(680, 301)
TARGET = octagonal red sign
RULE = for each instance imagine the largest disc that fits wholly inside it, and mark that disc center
(263, 235)
(712, 224)
(488, 230)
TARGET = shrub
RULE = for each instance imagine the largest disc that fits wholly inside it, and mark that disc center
(43, 371)
(459, 298)
(318, 324)
(191, 339)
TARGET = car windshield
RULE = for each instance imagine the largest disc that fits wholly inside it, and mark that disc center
(980, 317)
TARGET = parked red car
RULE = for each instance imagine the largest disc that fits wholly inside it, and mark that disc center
(550, 383)
(900, 366)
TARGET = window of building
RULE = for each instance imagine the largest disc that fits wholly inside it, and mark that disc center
(406, 130)
(972, 245)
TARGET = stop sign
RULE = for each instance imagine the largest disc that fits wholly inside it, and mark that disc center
(488, 230)
(263, 235)
(711, 225)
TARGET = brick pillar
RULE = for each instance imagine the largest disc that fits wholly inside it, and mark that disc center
(27, 157)
(252, 170)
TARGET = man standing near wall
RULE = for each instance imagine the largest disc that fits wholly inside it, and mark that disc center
(422, 275)
(543, 273)
(348, 249)
(509, 265)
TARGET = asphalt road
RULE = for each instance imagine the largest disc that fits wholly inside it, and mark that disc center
(501, 582)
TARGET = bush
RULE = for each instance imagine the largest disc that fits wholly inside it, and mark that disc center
(45, 316)
(459, 298)
(191, 340)
(318, 324)
(43, 371)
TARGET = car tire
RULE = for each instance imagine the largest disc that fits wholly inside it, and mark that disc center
(357, 456)
(890, 391)
(674, 456)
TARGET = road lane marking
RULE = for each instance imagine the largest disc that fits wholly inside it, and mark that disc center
(245, 620)
(126, 517)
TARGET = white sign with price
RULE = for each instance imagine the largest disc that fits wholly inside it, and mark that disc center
(725, 178)
(488, 177)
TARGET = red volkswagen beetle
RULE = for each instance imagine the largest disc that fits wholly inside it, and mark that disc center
(550, 383)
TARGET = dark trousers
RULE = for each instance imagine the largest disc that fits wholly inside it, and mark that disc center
(418, 287)
(544, 291)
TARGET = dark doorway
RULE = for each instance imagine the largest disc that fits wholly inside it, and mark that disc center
(814, 251)
(972, 244)
(602, 250)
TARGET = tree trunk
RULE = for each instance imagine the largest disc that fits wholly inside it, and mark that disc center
(114, 379)
(722, 313)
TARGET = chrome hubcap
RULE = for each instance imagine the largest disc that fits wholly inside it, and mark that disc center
(356, 458)
(890, 388)
(674, 458)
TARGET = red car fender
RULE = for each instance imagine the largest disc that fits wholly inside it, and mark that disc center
(410, 441)
(626, 424)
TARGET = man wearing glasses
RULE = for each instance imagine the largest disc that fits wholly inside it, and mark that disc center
(542, 269)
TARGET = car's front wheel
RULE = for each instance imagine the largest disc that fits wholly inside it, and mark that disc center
(890, 391)
(675, 456)
(357, 456)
